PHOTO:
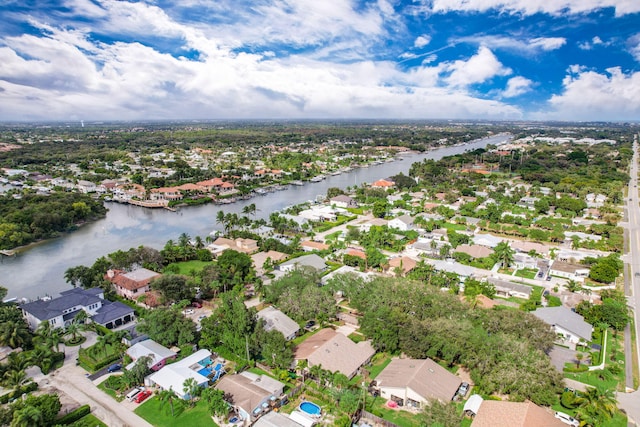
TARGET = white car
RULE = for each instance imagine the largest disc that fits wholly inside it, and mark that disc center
(567, 419)
(189, 311)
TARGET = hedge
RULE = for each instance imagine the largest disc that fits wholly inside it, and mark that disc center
(27, 388)
(87, 361)
(74, 416)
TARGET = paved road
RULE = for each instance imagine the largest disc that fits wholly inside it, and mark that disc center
(630, 402)
(72, 381)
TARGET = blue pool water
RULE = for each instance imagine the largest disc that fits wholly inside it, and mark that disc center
(205, 372)
(205, 362)
(310, 408)
(218, 367)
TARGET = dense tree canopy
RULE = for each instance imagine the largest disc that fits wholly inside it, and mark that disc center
(168, 327)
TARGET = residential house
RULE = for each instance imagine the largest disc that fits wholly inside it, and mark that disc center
(86, 186)
(320, 213)
(275, 319)
(569, 271)
(173, 376)
(250, 393)
(383, 183)
(402, 223)
(345, 269)
(415, 382)
(528, 202)
(343, 201)
(261, 257)
(61, 311)
(310, 246)
(500, 413)
(474, 251)
(358, 253)
(463, 271)
(508, 289)
(158, 353)
(334, 352)
(165, 193)
(131, 284)
(311, 261)
(221, 244)
(278, 419)
(402, 264)
(521, 260)
(526, 247)
(566, 323)
(366, 225)
(487, 240)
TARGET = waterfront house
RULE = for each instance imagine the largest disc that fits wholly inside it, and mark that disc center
(343, 201)
(131, 284)
(61, 311)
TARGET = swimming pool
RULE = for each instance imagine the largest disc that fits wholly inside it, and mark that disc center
(205, 362)
(205, 372)
(310, 408)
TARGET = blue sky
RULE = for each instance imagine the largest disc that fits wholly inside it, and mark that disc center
(242, 59)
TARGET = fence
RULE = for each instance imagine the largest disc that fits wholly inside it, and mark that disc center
(375, 420)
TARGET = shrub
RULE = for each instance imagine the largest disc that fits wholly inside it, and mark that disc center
(568, 400)
(27, 388)
(74, 416)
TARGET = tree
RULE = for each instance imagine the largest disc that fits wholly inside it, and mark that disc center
(439, 414)
(234, 269)
(14, 378)
(275, 350)
(15, 334)
(168, 396)
(597, 403)
(168, 327)
(73, 329)
(218, 407)
(504, 254)
(579, 357)
(48, 405)
(191, 388)
(174, 287)
(334, 192)
(29, 416)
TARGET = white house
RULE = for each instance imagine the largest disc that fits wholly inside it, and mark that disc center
(61, 311)
(569, 271)
(566, 323)
(173, 376)
(402, 223)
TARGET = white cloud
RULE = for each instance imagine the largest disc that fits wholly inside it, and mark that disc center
(595, 41)
(634, 46)
(588, 95)
(517, 86)
(479, 68)
(422, 41)
(523, 46)
(531, 7)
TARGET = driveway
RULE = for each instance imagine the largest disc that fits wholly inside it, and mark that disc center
(560, 356)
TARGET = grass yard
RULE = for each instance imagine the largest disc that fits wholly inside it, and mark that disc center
(398, 417)
(152, 411)
(189, 267)
(454, 227)
(89, 421)
(618, 420)
(103, 386)
(527, 273)
(378, 365)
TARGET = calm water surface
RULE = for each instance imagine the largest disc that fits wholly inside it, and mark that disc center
(39, 270)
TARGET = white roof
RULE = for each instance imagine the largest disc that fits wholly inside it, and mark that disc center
(174, 375)
(301, 419)
(156, 351)
(473, 404)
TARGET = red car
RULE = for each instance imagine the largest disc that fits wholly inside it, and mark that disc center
(197, 304)
(142, 396)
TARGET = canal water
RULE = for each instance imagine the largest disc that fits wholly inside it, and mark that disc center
(39, 270)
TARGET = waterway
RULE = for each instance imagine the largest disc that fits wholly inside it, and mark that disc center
(39, 270)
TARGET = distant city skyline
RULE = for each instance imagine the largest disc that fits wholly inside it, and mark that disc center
(74, 60)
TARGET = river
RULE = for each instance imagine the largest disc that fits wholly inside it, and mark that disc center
(39, 270)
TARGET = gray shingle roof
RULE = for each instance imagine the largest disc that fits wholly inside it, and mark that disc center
(45, 310)
(111, 311)
(565, 319)
(312, 260)
(275, 319)
(424, 376)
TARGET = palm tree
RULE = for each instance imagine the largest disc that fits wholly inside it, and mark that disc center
(190, 388)
(597, 402)
(29, 416)
(199, 244)
(15, 378)
(579, 357)
(167, 396)
(15, 334)
(183, 240)
(504, 254)
(573, 286)
(73, 329)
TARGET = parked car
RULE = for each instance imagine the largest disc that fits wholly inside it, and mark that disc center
(202, 316)
(310, 324)
(567, 419)
(115, 367)
(464, 389)
(189, 311)
(140, 397)
(197, 304)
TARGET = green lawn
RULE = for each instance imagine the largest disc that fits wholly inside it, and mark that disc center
(189, 267)
(89, 421)
(399, 417)
(454, 227)
(378, 365)
(103, 386)
(527, 273)
(618, 420)
(152, 411)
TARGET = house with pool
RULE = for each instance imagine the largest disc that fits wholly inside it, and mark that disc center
(252, 394)
(202, 366)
